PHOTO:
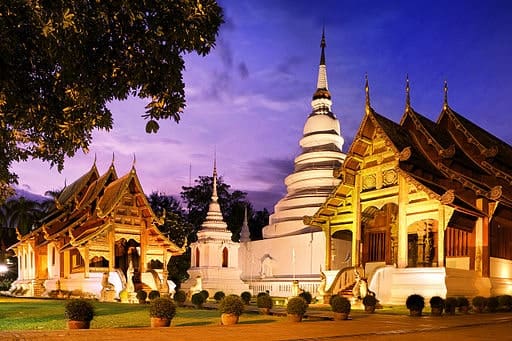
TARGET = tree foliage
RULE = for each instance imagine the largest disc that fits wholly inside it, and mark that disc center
(62, 62)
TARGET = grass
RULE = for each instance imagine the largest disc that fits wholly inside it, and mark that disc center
(48, 314)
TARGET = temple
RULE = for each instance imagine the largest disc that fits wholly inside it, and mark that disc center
(101, 239)
(426, 205)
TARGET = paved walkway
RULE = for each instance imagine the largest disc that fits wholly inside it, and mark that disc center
(361, 326)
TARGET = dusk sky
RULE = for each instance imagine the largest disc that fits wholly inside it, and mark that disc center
(250, 97)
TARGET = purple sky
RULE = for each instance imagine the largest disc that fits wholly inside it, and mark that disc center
(250, 97)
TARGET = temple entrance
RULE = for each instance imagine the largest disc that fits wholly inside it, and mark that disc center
(380, 234)
(127, 251)
(421, 243)
(341, 246)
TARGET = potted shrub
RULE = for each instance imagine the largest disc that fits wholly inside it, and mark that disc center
(231, 307)
(141, 296)
(505, 302)
(218, 296)
(246, 297)
(450, 303)
(79, 314)
(153, 294)
(415, 303)
(161, 311)
(436, 306)
(369, 302)
(205, 294)
(296, 308)
(180, 297)
(306, 295)
(341, 307)
(198, 300)
(492, 304)
(462, 304)
(264, 303)
(479, 303)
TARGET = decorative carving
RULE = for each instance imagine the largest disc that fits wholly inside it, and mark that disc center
(447, 152)
(448, 197)
(307, 220)
(405, 154)
(495, 193)
(338, 173)
(389, 177)
(490, 152)
(369, 181)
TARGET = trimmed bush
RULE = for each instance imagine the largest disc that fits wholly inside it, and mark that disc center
(205, 294)
(264, 301)
(218, 296)
(262, 293)
(231, 304)
(153, 294)
(296, 306)
(79, 310)
(198, 300)
(505, 302)
(180, 297)
(436, 302)
(415, 302)
(306, 296)
(450, 303)
(246, 297)
(370, 301)
(162, 307)
(492, 304)
(340, 304)
(479, 303)
(141, 296)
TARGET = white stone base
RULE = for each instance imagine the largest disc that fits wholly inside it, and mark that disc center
(216, 279)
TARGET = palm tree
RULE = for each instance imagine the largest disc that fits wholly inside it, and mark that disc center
(22, 214)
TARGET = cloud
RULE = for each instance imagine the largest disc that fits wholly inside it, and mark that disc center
(243, 71)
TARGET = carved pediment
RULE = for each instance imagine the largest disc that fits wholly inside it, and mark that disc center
(405, 154)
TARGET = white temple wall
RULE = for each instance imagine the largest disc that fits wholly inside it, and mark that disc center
(299, 255)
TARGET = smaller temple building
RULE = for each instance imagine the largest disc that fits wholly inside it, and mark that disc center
(99, 240)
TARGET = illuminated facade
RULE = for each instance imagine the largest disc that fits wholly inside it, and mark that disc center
(426, 205)
(101, 236)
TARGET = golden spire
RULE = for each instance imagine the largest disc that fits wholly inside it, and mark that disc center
(113, 158)
(367, 94)
(407, 94)
(445, 100)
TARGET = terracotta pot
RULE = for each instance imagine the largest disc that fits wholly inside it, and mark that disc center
(369, 309)
(264, 311)
(436, 311)
(414, 312)
(228, 319)
(340, 316)
(160, 322)
(294, 318)
(79, 324)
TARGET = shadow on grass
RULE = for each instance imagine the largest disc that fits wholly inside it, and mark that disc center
(198, 323)
(257, 321)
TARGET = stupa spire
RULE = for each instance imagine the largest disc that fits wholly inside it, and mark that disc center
(214, 192)
(321, 102)
(322, 70)
(214, 219)
(244, 233)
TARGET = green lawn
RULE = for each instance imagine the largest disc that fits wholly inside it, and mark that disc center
(46, 314)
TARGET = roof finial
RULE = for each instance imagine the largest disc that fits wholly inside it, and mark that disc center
(113, 158)
(214, 194)
(134, 161)
(322, 45)
(94, 159)
(407, 94)
(367, 94)
(445, 101)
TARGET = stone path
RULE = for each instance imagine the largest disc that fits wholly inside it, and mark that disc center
(361, 326)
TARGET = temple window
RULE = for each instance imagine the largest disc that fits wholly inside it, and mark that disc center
(225, 257)
(197, 257)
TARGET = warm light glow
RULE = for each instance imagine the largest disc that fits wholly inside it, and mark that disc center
(3, 268)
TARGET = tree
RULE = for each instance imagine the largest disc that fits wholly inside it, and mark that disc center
(232, 204)
(257, 222)
(177, 228)
(62, 62)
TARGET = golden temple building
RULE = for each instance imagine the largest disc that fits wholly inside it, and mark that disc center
(101, 239)
(427, 206)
